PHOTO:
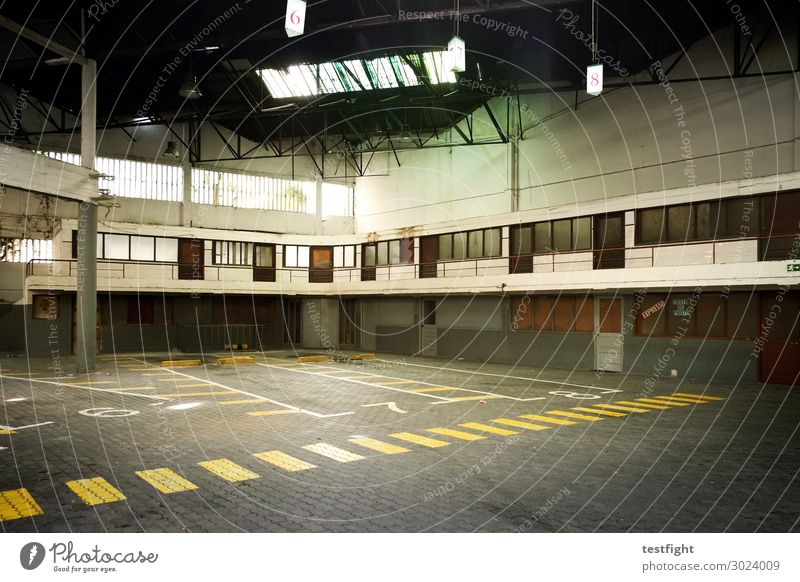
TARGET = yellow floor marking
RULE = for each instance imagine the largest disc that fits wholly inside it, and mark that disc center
(87, 383)
(247, 401)
(642, 405)
(166, 480)
(351, 377)
(489, 429)
(566, 414)
(484, 397)
(193, 394)
(625, 408)
(4, 431)
(335, 453)
(135, 388)
(181, 379)
(16, 504)
(380, 446)
(95, 491)
(456, 434)
(681, 400)
(419, 440)
(703, 396)
(272, 412)
(435, 389)
(541, 418)
(654, 401)
(284, 461)
(328, 372)
(228, 470)
(204, 385)
(393, 382)
(596, 411)
(520, 424)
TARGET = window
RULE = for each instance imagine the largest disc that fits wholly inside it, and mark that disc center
(564, 313)
(344, 256)
(581, 233)
(295, 256)
(127, 247)
(391, 252)
(541, 238)
(167, 250)
(459, 245)
(562, 235)
(708, 315)
(370, 257)
(473, 244)
(570, 234)
(45, 307)
(233, 253)
(15, 250)
(264, 256)
(780, 214)
(680, 223)
(543, 313)
(142, 248)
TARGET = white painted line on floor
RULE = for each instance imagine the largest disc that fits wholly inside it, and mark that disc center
(106, 390)
(26, 426)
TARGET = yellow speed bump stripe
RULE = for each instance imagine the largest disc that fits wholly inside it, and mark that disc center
(520, 424)
(4, 431)
(228, 470)
(306, 359)
(654, 401)
(166, 480)
(236, 360)
(663, 405)
(542, 418)
(566, 414)
(380, 446)
(596, 411)
(703, 396)
(16, 504)
(625, 408)
(180, 363)
(335, 453)
(419, 440)
(456, 434)
(682, 399)
(95, 491)
(490, 429)
(284, 461)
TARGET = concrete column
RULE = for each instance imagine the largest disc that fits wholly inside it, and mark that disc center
(318, 214)
(186, 206)
(86, 326)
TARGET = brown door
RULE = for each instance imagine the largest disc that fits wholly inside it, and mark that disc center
(190, 259)
(321, 268)
(429, 255)
(609, 241)
(779, 359)
(263, 262)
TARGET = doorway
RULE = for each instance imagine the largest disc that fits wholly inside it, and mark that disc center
(428, 332)
(321, 268)
(608, 338)
(190, 259)
(609, 241)
(264, 262)
(293, 322)
(429, 255)
(348, 323)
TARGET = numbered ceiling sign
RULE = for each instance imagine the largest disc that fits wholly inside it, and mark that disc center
(295, 17)
(456, 51)
(594, 79)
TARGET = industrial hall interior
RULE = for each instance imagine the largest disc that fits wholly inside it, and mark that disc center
(399, 266)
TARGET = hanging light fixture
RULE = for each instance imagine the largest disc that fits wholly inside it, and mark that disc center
(594, 72)
(456, 48)
(190, 89)
(171, 151)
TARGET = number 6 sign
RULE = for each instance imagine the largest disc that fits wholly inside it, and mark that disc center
(295, 17)
(594, 79)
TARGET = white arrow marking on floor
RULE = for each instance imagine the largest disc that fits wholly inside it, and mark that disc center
(392, 406)
(26, 426)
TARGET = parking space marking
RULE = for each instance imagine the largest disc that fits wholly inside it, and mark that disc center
(654, 401)
(566, 414)
(456, 434)
(520, 424)
(166, 480)
(380, 446)
(397, 382)
(95, 491)
(16, 504)
(435, 389)
(284, 461)
(228, 470)
(245, 401)
(332, 452)
(702, 396)
(88, 383)
(192, 394)
(616, 407)
(6, 431)
(686, 401)
(489, 429)
(106, 390)
(542, 418)
(272, 412)
(419, 440)
(603, 412)
(642, 405)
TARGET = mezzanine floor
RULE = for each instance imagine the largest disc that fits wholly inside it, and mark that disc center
(390, 444)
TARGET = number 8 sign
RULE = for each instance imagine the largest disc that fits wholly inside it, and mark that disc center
(594, 79)
(295, 17)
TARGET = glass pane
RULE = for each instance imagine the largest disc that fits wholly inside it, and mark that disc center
(680, 223)
(650, 318)
(116, 246)
(475, 243)
(541, 237)
(491, 242)
(741, 218)
(542, 313)
(521, 240)
(707, 215)
(264, 256)
(142, 248)
(562, 235)
(394, 252)
(563, 314)
(651, 225)
(460, 245)
(321, 258)
(369, 256)
(445, 247)
(167, 250)
(681, 315)
(338, 256)
(582, 233)
(407, 251)
(290, 256)
(302, 256)
(383, 253)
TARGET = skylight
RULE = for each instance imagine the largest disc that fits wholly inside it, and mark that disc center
(357, 75)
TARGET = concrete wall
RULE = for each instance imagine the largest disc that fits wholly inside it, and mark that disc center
(321, 323)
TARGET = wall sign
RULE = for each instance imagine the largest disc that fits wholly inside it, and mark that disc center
(655, 308)
(594, 79)
(794, 268)
(295, 17)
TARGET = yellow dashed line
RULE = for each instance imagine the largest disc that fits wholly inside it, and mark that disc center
(87, 383)
(456, 434)
(483, 397)
(4, 431)
(95, 491)
(284, 461)
(166, 480)
(687, 401)
(272, 412)
(247, 401)
(641, 405)
(335, 453)
(419, 440)
(352, 377)
(135, 388)
(541, 418)
(397, 382)
(16, 504)
(489, 429)
(380, 446)
(435, 389)
(573, 415)
(603, 412)
(701, 396)
(625, 408)
(520, 424)
(654, 401)
(193, 394)
(228, 470)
